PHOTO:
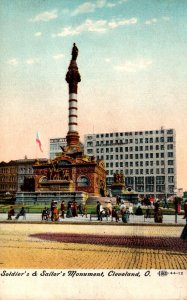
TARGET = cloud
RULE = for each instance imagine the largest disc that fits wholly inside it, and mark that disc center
(151, 21)
(94, 26)
(108, 60)
(58, 56)
(31, 61)
(12, 61)
(134, 66)
(89, 7)
(38, 33)
(45, 16)
(166, 18)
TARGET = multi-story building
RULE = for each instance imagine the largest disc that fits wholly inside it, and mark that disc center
(55, 145)
(147, 158)
(15, 174)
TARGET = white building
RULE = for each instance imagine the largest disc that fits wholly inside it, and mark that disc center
(55, 146)
(147, 158)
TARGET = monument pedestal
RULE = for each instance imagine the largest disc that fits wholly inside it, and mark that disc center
(117, 189)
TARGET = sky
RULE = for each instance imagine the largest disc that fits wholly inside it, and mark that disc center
(133, 65)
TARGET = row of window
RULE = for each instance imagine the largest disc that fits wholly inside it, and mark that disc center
(10, 187)
(7, 170)
(137, 164)
(136, 156)
(169, 131)
(8, 178)
(142, 171)
(130, 149)
(131, 141)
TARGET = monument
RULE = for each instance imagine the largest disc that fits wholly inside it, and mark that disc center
(72, 175)
(119, 188)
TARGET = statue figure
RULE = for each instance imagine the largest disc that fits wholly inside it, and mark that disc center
(74, 52)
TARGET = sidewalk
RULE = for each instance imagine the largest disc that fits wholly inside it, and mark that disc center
(33, 217)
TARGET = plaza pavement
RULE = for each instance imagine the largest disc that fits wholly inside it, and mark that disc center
(36, 217)
(79, 243)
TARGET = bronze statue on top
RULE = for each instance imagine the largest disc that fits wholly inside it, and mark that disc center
(74, 52)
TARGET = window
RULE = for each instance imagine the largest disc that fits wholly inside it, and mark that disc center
(147, 171)
(136, 156)
(137, 172)
(117, 165)
(83, 181)
(136, 148)
(116, 156)
(170, 170)
(147, 155)
(171, 179)
(90, 151)
(121, 164)
(131, 156)
(151, 155)
(89, 144)
(121, 149)
(170, 154)
(141, 163)
(147, 163)
(111, 165)
(157, 140)
(146, 148)
(107, 150)
(107, 157)
(137, 164)
(126, 164)
(146, 140)
(126, 156)
(141, 156)
(151, 140)
(157, 147)
(170, 146)
(131, 164)
(170, 162)
(121, 156)
(141, 140)
(160, 179)
(169, 139)
(111, 149)
(111, 156)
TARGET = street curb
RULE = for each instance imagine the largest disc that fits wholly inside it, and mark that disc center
(90, 223)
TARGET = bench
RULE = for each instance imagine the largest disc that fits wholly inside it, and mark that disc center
(150, 216)
(96, 216)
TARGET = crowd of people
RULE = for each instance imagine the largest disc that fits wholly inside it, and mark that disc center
(115, 211)
(72, 209)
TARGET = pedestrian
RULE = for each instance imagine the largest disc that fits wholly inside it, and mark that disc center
(69, 210)
(99, 210)
(53, 205)
(22, 212)
(11, 213)
(165, 202)
(125, 215)
(185, 209)
(184, 232)
(74, 209)
(62, 209)
(115, 214)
